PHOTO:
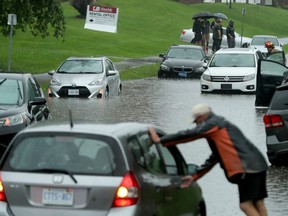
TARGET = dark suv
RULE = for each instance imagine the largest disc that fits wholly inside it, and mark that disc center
(21, 102)
(276, 126)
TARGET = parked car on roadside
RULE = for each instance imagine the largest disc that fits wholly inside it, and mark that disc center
(88, 77)
(231, 70)
(270, 74)
(87, 168)
(22, 102)
(276, 126)
(187, 35)
(182, 61)
(258, 41)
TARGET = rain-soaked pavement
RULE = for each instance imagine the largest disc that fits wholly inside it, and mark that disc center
(167, 103)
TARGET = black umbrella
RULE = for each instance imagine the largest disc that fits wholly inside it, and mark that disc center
(203, 15)
(220, 16)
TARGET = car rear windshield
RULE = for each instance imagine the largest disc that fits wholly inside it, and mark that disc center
(76, 154)
(280, 100)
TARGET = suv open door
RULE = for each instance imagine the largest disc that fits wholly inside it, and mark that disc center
(270, 74)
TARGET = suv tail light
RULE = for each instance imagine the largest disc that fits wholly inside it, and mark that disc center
(2, 193)
(128, 192)
(273, 121)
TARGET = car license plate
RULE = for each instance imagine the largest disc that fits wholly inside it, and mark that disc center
(73, 91)
(182, 74)
(226, 86)
(57, 196)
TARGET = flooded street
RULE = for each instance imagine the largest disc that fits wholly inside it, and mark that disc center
(168, 103)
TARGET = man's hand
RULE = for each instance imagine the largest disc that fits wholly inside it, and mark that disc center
(187, 180)
(154, 136)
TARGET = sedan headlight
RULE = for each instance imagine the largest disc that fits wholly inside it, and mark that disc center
(54, 82)
(14, 120)
(164, 67)
(249, 77)
(206, 77)
(97, 82)
(199, 70)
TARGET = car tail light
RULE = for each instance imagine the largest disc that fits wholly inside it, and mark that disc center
(272, 121)
(2, 193)
(183, 32)
(128, 192)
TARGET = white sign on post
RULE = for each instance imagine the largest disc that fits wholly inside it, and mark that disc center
(102, 18)
(12, 19)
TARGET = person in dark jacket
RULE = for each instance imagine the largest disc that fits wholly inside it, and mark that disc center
(230, 32)
(242, 162)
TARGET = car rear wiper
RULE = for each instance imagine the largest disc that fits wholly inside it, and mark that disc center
(55, 171)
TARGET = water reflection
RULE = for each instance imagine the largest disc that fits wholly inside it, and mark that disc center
(168, 103)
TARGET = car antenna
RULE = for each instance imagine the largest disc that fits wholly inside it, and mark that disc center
(70, 118)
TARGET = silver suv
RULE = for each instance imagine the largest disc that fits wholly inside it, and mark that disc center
(94, 169)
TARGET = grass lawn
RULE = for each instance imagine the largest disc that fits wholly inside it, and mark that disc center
(143, 30)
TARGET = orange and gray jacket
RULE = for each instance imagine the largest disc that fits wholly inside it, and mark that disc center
(235, 153)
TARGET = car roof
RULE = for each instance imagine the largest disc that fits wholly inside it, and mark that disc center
(237, 50)
(87, 127)
(266, 36)
(86, 58)
(14, 75)
(186, 46)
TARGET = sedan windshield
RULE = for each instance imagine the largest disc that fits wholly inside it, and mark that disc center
(81, 66)
(11, 92)
(186, 53)
(233, 60)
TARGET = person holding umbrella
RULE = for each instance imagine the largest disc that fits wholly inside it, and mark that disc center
(205, 34)
(197, 29)
(217, 35)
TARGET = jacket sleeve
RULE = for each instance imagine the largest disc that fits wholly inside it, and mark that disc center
(206, 167)
(203, 130)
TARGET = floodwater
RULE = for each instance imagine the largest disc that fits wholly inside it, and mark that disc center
(168, 103)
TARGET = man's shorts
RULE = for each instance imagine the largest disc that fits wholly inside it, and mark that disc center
(252, 186)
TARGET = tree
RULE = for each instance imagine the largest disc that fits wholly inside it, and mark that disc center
(39, 15)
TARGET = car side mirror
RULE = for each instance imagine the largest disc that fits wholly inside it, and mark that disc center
(162, 55)
(111, 73)
(51, 72)
(37, 101)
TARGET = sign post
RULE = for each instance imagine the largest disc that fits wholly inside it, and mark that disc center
(12, 20)
(243, 14)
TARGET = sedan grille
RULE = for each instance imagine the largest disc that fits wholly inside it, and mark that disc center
(182, 69)
(83, 92)
(227, 78)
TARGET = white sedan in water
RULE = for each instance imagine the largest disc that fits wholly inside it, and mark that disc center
(187, 35)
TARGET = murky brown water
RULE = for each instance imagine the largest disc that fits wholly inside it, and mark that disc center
(168, 103)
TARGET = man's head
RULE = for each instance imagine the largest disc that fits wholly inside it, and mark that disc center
(269, 45)
(200, 112)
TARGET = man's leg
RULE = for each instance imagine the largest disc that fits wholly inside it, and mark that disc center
(260, 205)
(249, 208)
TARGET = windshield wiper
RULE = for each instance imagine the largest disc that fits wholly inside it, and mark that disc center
(3, 81)
(19, 90)
(55, 171)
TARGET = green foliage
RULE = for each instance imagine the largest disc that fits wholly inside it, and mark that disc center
(143, 30)
(38, 15)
